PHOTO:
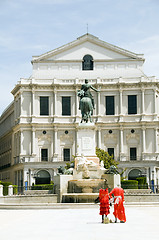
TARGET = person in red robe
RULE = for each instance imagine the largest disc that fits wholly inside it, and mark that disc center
(104, 203)
(119, 210)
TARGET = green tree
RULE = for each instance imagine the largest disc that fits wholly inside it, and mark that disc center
(106, 158)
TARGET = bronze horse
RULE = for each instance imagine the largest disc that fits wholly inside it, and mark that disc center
(86, 107)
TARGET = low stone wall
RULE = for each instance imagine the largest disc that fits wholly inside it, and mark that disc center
(36, 192)
(24, 199)
(90, 197)
(73, 198)
(141, 198)
(137, 191)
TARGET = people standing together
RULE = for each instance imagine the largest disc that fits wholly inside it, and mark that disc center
(105, 199)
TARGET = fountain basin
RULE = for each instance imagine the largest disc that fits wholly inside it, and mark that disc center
(86, 185)
(79, 197)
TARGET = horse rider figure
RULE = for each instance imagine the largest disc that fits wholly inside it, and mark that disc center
(87, 93)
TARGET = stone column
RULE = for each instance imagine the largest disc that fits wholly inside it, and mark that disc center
(155, 101)
(13, 149)
(155, 105)
(76, 143)
(76, 103)
(98, 109)
(1, 190)
(99, 138)
(156, 142)
(52, 148)
(55, 102)
(121, 140)
(10, 190)
(18, 106)
(21, 142)
(55, 145)
(33, 103)
(21, 103)
(121, 101)
(143, 140)
(143, 101)
(33, 142)
(51, 104)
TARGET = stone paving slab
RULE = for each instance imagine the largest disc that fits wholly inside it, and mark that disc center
(66, 205)
(79, 224)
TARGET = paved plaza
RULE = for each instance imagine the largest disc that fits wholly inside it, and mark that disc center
(79, 224)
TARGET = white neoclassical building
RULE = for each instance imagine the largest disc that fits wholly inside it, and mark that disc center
(39, 129)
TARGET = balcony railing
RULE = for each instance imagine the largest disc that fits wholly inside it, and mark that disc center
(37, 159)
(131, 158)
(24, 159)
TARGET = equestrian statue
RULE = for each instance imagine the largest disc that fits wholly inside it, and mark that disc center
(86, 104)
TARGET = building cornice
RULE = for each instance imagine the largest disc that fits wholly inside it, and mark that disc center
(92, 39)
(73, 84)
(94, 60)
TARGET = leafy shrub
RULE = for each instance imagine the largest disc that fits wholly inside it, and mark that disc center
(106, 158)
(142, 183)
(70, 165)
(15, 189)
(5, 187)
(129, 184)
(42, 187)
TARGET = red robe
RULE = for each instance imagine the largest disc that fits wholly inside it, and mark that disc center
(104, 201)
(119, 210)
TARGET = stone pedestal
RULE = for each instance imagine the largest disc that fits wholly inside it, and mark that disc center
(1, 190)
(61, 185)
(10, 190)
(113, 180)
(86, 139)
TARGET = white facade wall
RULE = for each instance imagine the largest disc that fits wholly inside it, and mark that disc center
(58, 74)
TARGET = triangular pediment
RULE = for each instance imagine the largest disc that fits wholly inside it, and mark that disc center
(87, 44)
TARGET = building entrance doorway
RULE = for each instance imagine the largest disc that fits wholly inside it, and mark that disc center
(133, 174)
(43, 177)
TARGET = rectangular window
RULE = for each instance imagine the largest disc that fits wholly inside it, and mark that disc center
(132, 104)
(44, 106)
(44, 154)
(66, 154)
(66, 106)
(111, 152)
(133, 154)
(109, 105)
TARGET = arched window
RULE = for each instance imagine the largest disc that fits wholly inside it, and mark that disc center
(133, 174)
(43, 177)
(87, 63)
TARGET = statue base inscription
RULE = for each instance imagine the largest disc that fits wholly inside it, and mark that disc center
(86, 139)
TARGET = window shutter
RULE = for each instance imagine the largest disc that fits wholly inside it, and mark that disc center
(132, 104)
(44, 105)
(66, 153)
(109, 105)
(66, 106)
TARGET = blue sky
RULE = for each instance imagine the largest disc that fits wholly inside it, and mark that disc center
(33, 27)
